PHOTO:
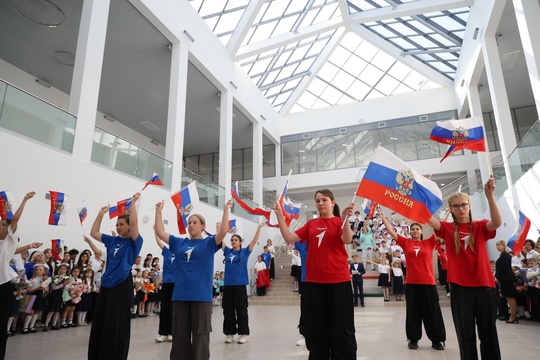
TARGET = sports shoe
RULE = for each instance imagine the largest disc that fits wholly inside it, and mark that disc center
(229, 339)
(161, 338)
(169, 338)
(301, 342)
(437, 345)
(242, 339)
(32, 330)
(413, 345)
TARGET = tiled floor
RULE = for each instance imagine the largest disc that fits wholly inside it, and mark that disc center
(380, 333)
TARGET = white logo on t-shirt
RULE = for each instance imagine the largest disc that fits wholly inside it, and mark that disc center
(320, 236)
(189, 251)
(416, 250)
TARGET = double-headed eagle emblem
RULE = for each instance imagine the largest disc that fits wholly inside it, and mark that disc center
(405, 182)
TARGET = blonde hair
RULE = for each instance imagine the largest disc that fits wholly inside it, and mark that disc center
(456, 224)
(201, 219)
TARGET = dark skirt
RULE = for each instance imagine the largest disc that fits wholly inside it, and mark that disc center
(139, 297)
(152, 297)
(383, 280)
(55, 302)
(508, 289)
(39, 303)
(296, 271)
(399, 288)
(14, 310)
(86, 302)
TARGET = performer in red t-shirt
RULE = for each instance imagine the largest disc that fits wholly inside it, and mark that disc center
(327, 312)
(421, 290)
(472, 287)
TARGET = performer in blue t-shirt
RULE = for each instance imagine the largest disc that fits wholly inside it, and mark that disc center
(167, 288)
(193, 274)
(235, 300)
(111, 325)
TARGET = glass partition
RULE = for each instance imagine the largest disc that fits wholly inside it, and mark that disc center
(34, 118)
(119, 154)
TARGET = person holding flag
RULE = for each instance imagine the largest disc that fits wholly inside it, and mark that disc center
(192, 294)
(111, 324)
(472, 285)
(327, 311)
(8, 247)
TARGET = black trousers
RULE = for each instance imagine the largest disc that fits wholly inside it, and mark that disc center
(111, 325)
(235, 310)
(423, 306)
(6, 296)
(272, 269)
(327, 321)
(192, 324)
(475, 307)
(165, 313)
(358, 289)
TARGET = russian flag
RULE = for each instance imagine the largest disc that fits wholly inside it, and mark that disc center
(82, 211)
(391, 183)
(292, 208)
(184, 200)
(233, 227)
(460, 134)
(517, 240)
(243, 205)
(155, 180)
(6, 205)
(59, 205)
(123, 206)
(113, 212)
(57, 247)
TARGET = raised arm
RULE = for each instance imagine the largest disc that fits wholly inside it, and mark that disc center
(346, 238)
(95, 231)
(256, 236)
(17, 216)
(494, 213)
(388, 226)
(133, 219)
(97, 251)
(289, 237)
(158, 240)
(159, 229)
(220, 235)
(27, 247)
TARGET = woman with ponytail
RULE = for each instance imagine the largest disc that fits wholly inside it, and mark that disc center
(472, 286)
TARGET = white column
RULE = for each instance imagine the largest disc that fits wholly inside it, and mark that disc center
(225, 141)
(484, 160)
(278, 159)
(258, 163)
(527, 15)
(176, 116)
(499, 99)
(86, 79)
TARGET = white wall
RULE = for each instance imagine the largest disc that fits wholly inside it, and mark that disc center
(33, 167)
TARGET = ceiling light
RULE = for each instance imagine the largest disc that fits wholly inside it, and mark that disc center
(43, 83)
(475, 35)
(233, 85)
(110, 118)
(392, 138)
(65, 57)
(188, 35)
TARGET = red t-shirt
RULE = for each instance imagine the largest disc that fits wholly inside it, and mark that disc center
(326, 261)
(419, 255)
(468, 268)
(442, 257)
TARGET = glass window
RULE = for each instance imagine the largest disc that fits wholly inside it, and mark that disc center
(307, 154)
(363, 147)
(269, 160)
(248, 164)
(386, 138)
(237, 160)
(344, 147)
(426, 148)
(491, 135)
(405, 142)
(525, 119)
(326, 154)
(206, 163)
(290, 158)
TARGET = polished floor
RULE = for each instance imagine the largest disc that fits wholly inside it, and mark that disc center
(380, 333)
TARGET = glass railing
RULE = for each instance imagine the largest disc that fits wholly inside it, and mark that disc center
(26, 115)
(114, 152)
(523, 158)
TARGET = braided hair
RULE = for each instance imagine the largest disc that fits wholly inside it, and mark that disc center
(457, 239)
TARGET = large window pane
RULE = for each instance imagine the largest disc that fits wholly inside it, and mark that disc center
(385, 137)
(326, 155)
(237, 159)
(405, 142)
(525, 119)
(290, 158)
(491, 134)
(363, 147)
(426, 148)
(307, 153)
(206, 162)
(269, 160)
(344, 145)
(248, 164)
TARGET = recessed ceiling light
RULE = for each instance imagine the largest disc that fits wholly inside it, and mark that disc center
(65, 57)
(42, 12)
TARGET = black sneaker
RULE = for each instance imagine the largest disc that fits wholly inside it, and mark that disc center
(45, 328)
(413, 345)
(437, 346)
(32, 330)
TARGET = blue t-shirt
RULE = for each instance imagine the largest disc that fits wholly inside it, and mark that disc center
(236, 266)
(266, 257)
(193, 268)
(302, 250)
(168, 265)
(121, 255)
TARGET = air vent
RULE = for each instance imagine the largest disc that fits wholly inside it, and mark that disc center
(150, 126)
(342, 131)
(381, 125)
(424, 118)
(306, 136)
